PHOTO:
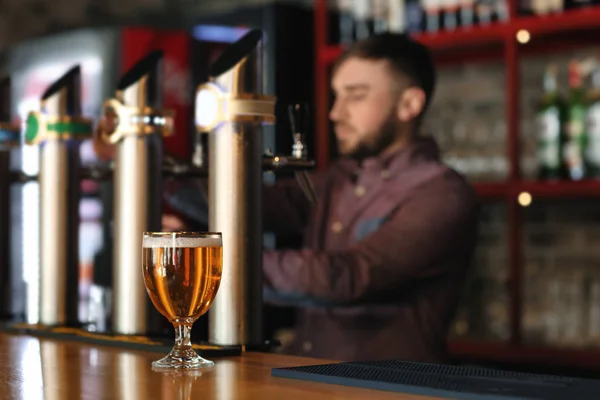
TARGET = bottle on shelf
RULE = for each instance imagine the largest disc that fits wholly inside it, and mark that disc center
(593, 124)
(414, 15)
(362, 17)
(432, 15)
(347, 25)
(397, 16)
(380, 16)
(501, 10)
(570, 4)
(541, 7)
(450, 10)
(575, 134)
(525, 7)
(557, 6)
(549, 118)
(467, 13)
(484, 11)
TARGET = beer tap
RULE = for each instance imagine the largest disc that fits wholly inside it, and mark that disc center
(9, 139)
(58, 128)
(297, 162)
(135, 122)
(231, 109)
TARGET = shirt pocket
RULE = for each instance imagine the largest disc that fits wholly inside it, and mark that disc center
(367, 226)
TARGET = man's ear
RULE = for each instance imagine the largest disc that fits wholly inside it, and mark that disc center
(411, 103)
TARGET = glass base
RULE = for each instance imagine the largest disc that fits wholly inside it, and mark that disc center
(182, 358)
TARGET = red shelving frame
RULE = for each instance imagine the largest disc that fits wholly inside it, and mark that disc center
(498, 41)
(558, 189)
(498, 33)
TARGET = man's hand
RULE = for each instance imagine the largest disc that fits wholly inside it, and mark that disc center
(104, 151)
(172, 223)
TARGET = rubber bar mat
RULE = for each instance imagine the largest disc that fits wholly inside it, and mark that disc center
(129, 342)
(445, 381)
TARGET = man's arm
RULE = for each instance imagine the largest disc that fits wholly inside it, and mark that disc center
(189, 199)
(285, 206)
(412, 245)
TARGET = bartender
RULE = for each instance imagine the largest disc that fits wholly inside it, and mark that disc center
(387, 247)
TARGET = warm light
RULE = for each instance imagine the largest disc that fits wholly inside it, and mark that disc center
(523, 36)
(524, 199)
(207, 107)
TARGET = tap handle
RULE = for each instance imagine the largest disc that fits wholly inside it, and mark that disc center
(198, 156)
(299, 117)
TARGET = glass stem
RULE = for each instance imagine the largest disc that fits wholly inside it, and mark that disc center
(182, 335)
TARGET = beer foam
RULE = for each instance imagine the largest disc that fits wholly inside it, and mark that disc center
(175, 241)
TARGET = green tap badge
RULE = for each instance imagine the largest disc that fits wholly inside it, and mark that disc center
(40, 127)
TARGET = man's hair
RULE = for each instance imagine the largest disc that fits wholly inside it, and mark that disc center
(404, 55)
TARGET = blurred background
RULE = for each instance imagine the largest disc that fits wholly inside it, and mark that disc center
(533, 297)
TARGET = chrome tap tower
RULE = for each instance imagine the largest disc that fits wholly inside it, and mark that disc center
(134, 122)
(231, 109)
(9, 139)
(58, 129)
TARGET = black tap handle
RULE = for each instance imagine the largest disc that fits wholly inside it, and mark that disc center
(299, 116)
(292, 117)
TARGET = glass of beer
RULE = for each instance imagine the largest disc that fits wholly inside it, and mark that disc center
(182, 273)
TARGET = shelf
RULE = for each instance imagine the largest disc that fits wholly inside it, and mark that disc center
(464, 37)
(561, 189)
(501, 352)
(539, 189)
(568, 21)
(491, 190)
(538, 26)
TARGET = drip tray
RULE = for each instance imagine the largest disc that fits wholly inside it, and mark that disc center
(445, 381)
(128, 342)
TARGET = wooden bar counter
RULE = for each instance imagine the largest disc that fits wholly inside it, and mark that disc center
(35, 368)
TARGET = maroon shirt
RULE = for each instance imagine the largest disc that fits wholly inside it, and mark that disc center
(384, 258)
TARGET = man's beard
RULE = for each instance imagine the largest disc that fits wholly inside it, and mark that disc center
(373, 145)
